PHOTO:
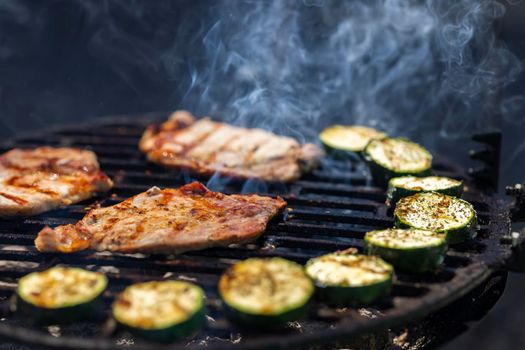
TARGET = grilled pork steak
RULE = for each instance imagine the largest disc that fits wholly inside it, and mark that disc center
(166, 221)
(205, 147)
(45, 178)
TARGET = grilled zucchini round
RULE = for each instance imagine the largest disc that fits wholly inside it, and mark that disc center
(161, 311)
(438, 212)
(409, 250)
(352, 138)
(349, 279)
(60, 295)
(404, 186)
(393, 157)
(267, 292)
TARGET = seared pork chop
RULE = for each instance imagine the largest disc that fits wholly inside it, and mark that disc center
(33, 181)
(166, 221)
(205, 147)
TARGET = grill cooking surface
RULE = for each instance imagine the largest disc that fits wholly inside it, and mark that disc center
(328, 210)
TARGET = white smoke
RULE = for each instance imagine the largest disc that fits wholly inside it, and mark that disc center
(411, 67)
(408, 67)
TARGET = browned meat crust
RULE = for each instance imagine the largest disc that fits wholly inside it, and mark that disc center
(206, 147)
(166, 221)
(38, 180)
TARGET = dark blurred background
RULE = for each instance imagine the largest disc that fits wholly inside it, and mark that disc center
(71, 61)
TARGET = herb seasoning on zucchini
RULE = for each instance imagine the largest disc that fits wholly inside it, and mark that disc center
(346, 278)
(437, 212)
(392, 157)
(60, 295)
(410, 250)
(404, 186)
(161, 311)
(267, 292)
(353, 138)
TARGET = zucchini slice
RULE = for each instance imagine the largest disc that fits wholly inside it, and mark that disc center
(161, 311)
(352, 138)
(410, 250)
(266, 292)
(404, 186)
(437, 212)
(349, 279)
(393, 157)
(60, 295)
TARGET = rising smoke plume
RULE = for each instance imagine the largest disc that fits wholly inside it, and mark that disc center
(404, 66)
(410, 67)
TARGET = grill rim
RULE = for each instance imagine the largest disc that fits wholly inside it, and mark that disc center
(481, 271)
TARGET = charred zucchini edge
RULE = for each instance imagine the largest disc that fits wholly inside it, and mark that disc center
(409, 259)
(396, 192)
(326, 137)
(79, 310)
(382, 173)
(340, 295)
(170, 330)
(455, 235)
(283, 313)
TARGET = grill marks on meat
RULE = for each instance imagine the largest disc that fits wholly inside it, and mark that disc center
(168, 221)
(45, 178)
(205, 147)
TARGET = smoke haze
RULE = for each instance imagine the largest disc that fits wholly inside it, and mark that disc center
(415, 68)
(403, 66)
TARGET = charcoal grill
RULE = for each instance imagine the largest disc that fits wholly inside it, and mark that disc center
(329, 209)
